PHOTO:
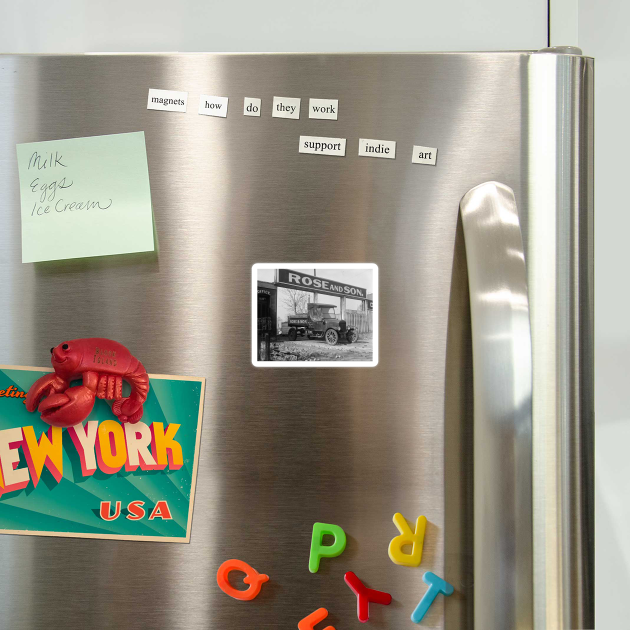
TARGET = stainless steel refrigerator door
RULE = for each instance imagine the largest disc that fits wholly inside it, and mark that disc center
(280, 449)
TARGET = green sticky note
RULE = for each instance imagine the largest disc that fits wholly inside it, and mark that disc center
(85, 197)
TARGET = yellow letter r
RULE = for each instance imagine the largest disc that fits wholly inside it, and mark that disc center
(407, 537)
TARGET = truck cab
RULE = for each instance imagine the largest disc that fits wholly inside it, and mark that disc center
(321, 322)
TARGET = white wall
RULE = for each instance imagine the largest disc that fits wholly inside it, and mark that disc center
(270, 25)
(604, 27)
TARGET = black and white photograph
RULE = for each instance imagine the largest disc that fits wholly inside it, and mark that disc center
(319, 315)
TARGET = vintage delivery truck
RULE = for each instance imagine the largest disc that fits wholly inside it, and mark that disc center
(321, 322)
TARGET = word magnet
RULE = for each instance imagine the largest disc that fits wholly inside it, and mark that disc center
(377, 148)
(285, 107)
(167, 100)
(436, 586)
(322, 146)
(424, 155)
(252, 577)
(213, 105)
(407, 537)
(319, 550)
(251, 106)
(323, 108)
(365, 595)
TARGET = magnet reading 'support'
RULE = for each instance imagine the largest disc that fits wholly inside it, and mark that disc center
(252, 577)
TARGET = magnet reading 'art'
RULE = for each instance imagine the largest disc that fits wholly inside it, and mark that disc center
(252, 577)
(309, 623)
(319, 551)
(407, 537)
(102, 364)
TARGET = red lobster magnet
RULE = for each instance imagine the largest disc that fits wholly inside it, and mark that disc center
(102, 364)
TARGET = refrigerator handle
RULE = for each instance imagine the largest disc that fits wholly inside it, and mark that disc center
(502, 374)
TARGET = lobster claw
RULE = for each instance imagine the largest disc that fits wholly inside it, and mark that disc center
(43, 386)
(128, 410)
(68, 408)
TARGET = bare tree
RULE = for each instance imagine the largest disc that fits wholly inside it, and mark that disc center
(295, 300)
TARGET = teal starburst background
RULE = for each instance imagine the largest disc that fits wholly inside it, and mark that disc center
(72, 505)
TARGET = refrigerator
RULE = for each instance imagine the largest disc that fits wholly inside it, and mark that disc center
(478, 413)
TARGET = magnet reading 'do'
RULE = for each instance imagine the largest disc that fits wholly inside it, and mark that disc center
(102, 364)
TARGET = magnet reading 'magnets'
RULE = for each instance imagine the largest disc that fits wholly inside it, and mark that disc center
(103, 364)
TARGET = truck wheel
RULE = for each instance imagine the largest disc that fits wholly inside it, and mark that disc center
(352, 336)
(292, 334)
(332, 337)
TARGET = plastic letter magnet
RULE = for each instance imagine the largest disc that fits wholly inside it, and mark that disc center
(365, 596)
(436, 586)
(319, 551)
(407, 537)
(308, 623)
(252, 577)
